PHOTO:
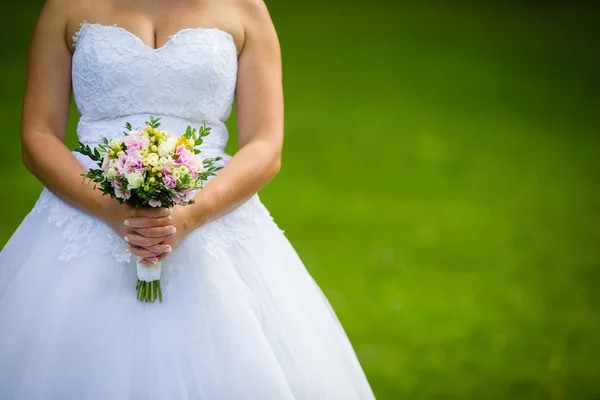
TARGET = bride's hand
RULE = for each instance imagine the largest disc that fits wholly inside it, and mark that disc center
(144, 229)
(154, 238)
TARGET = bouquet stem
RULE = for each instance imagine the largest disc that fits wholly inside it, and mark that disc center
(148, 292)
(148, 284)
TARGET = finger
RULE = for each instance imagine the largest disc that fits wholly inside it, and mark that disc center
(159, 249)
(153, 212)
(149, 261)
(158, 232)
(162, 256)
(141, 252)
(138, 240)
(145, 222)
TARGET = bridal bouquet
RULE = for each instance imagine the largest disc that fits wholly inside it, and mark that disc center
(151, 168)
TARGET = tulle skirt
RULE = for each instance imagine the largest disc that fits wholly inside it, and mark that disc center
(241, 317)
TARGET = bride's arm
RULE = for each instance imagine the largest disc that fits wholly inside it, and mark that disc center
(45, 112)
(44, 120)
(260, 121)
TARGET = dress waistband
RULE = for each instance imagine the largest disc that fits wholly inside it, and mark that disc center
(91, 132)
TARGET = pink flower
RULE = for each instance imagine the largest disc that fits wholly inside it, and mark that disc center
(169, 181)
(106, 163)
(119, 192)
(120, 164)
(135, 142)
(133, 163)
(184, 156)
(188, 159)
(182, 197)
(122, 194)
(155, 203)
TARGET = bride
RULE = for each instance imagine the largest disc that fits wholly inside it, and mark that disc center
(241, 317)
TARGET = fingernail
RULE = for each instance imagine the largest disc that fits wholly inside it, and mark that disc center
(126, 239)
(168, 249)
(126, 222)
(173, 230)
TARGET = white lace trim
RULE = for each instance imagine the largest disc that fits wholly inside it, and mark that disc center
(84, 234)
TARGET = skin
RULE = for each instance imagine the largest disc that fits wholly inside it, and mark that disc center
(153, 233)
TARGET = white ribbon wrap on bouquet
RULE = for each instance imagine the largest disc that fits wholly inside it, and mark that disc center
(148, 273)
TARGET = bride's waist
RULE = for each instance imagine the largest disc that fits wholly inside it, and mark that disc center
(91, 132)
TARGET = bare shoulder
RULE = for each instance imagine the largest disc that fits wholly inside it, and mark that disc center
(256, 7)
(62, 15)
(256, 21)
(254, 12)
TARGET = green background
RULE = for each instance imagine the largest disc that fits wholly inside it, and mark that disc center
(439, 180)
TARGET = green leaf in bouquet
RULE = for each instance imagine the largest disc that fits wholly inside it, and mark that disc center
(87, 151)
(153, 122)
(205, 131)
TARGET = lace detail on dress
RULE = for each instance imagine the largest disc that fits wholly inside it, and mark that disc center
(83, 234)
(193, 75)
(233, 228)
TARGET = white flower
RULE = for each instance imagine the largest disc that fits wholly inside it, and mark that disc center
(152, 158)
(167, 147)
(198, 164)
(116, 142)
(111, 172)
(135, 180)
(176, 174)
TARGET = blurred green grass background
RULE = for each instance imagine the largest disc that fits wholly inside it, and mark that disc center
(439, 180)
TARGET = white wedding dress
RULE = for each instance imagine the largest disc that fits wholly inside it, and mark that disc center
(241, 318)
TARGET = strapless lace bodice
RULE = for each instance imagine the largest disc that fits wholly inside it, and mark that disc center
(117, 77)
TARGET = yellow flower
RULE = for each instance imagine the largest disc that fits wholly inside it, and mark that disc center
(188, 143)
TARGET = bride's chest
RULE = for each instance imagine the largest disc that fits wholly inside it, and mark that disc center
(111, 57)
